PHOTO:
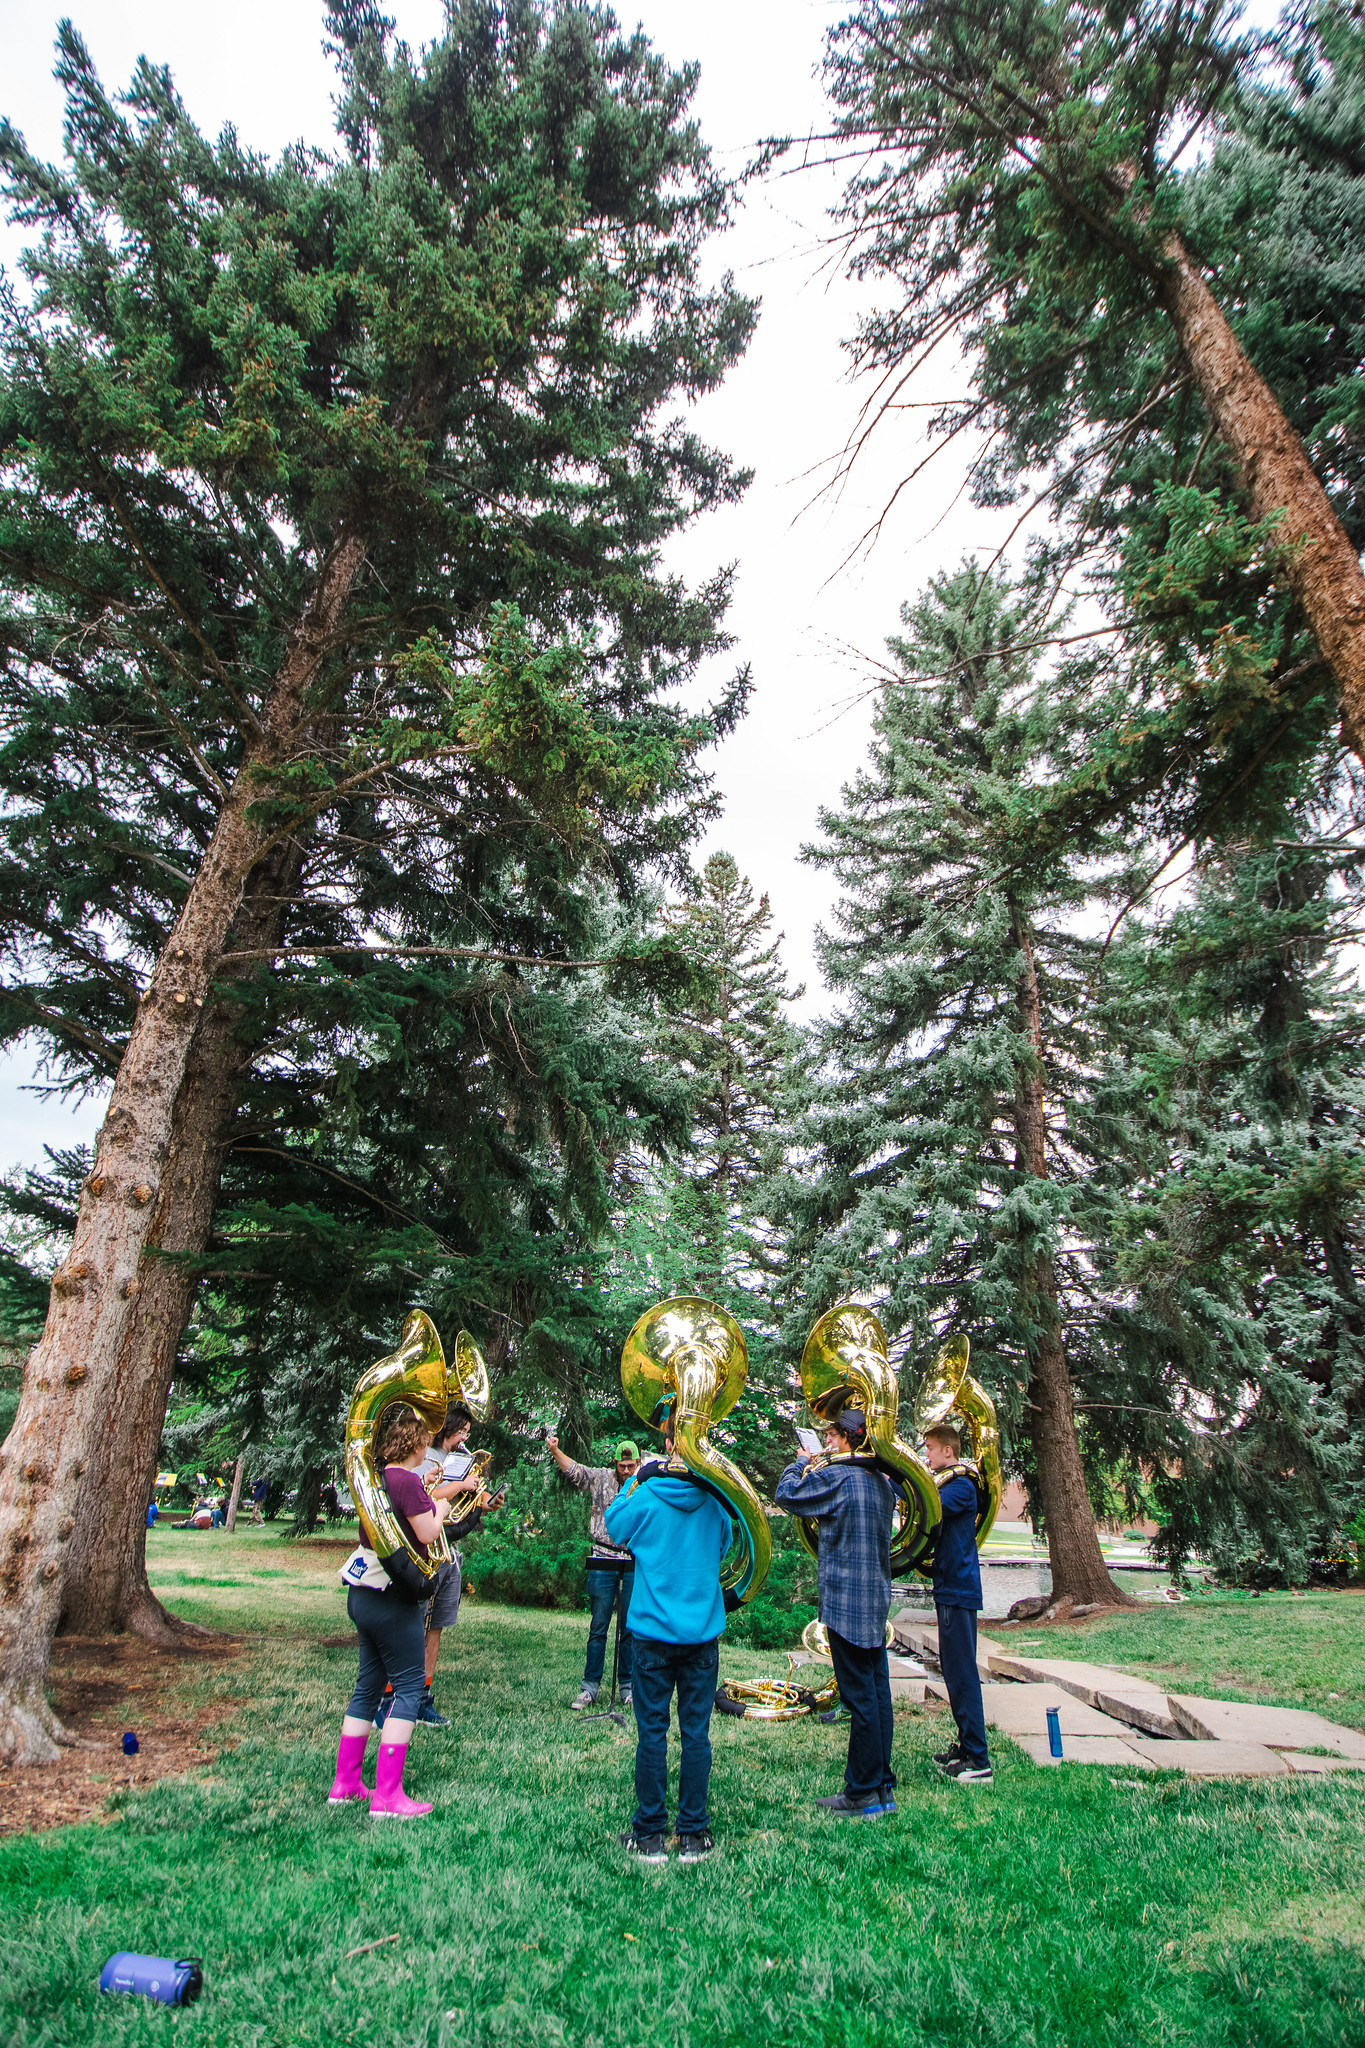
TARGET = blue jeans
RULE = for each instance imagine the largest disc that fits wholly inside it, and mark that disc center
(661, 1668)
(602, 1596)
(957, 1659)
(392, 1642)
(865, 1689)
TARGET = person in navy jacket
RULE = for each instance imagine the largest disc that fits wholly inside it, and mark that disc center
(957, 1598)
(677, 1533)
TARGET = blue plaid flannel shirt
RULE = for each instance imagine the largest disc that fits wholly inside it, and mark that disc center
(856, 1507)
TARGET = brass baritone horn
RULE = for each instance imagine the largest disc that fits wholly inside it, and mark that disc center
(948, 1388)
(688, 1356)
(844, 1365)
(417, 1375)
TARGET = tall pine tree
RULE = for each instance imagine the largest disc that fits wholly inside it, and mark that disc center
(941, 1183)
(332, 508)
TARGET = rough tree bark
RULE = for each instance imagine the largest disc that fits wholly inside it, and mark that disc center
(1073, 1545)
(1276, 475)
(238, 1473)
(73, 1369)
(105, 1588)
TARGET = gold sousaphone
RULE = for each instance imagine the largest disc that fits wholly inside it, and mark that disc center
(688, 1356)
(844, 1365)
(948, 1389)
(416, 1374)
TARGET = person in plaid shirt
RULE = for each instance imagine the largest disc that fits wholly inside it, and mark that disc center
(855, 1506)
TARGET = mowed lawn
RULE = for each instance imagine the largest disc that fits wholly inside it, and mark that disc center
(1065, 1908)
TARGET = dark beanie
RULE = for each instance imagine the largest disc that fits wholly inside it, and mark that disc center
(853, 1423)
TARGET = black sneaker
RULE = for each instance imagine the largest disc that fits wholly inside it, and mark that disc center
(428, 1715)
(944, 1757)
(835, 1714)
(888, 1799)
(691, 1848)
(841, 1807)
(964, 1773)
(649, 1848)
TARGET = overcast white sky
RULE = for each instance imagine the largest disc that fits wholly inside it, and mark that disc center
(786, 410)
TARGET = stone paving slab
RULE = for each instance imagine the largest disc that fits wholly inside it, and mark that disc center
(1275, 1727)
(908, 1689)
(1149, 1712)
(905, 1667)
(1083, 1749)
(1212, 1759)
(922, 1636)
(1022, 1710)
(1319, 1766)
(1086, 1681)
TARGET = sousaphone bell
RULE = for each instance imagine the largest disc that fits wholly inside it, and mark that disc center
(417, 1375)
(688, 1357)
(844, 1365)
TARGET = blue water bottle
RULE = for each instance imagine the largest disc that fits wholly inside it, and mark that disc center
(158, 1977)
(1054, 1731)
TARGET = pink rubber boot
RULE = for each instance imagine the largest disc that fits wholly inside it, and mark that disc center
(348, 1784)
(388, 1795)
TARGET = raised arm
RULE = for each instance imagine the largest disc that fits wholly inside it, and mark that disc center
(806, 1492)
(577, 1474)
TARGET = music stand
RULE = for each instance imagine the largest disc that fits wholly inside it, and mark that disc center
(617, 1565)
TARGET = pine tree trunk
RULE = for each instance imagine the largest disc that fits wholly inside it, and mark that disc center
(1079, 1572)
(74, 1369)
(1322, 567)
(105, 1587)
(238, 1470)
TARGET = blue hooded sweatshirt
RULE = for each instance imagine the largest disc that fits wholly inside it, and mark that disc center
(678, 1534)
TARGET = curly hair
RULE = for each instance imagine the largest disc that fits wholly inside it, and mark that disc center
(399, 1432)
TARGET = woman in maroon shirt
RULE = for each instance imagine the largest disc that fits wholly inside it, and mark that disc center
(389, 1624)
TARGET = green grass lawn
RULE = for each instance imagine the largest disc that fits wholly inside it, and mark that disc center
(1065, 1908)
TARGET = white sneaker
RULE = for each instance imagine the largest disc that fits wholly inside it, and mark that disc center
(586, 1698)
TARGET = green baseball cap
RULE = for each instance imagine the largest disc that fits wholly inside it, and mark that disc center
(626, 1449)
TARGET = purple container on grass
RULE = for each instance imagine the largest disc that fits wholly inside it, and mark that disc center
(1054, 1731)
(170, 1983)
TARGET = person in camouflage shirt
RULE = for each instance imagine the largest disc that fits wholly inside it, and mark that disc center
(608, 1582)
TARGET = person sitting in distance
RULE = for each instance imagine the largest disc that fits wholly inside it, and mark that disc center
(611, 1570)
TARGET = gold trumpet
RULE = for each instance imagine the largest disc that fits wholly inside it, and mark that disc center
(688, 1356)
(844, 1365)
(947, 1388)
(417, 1375)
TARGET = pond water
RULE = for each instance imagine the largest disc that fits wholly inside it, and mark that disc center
(1003, 1584)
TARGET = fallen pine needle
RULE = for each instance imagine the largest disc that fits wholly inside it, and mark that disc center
(366, 1946)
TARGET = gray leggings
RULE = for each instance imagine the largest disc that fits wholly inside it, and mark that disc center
(392, 1641)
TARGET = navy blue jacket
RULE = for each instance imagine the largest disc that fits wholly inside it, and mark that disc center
(957, 1572)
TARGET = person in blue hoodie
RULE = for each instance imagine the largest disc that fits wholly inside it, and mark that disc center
(957, 1600)
(677, 1533)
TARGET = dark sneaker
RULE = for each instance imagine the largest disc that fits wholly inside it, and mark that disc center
(381, 1712)
(841, 1807)
(649, 1848)
(627, 1698)
(944, 1757)
(963, 1773)
(691, 1848)
(427, 1715)
(888, 1799)
(835, 1714)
